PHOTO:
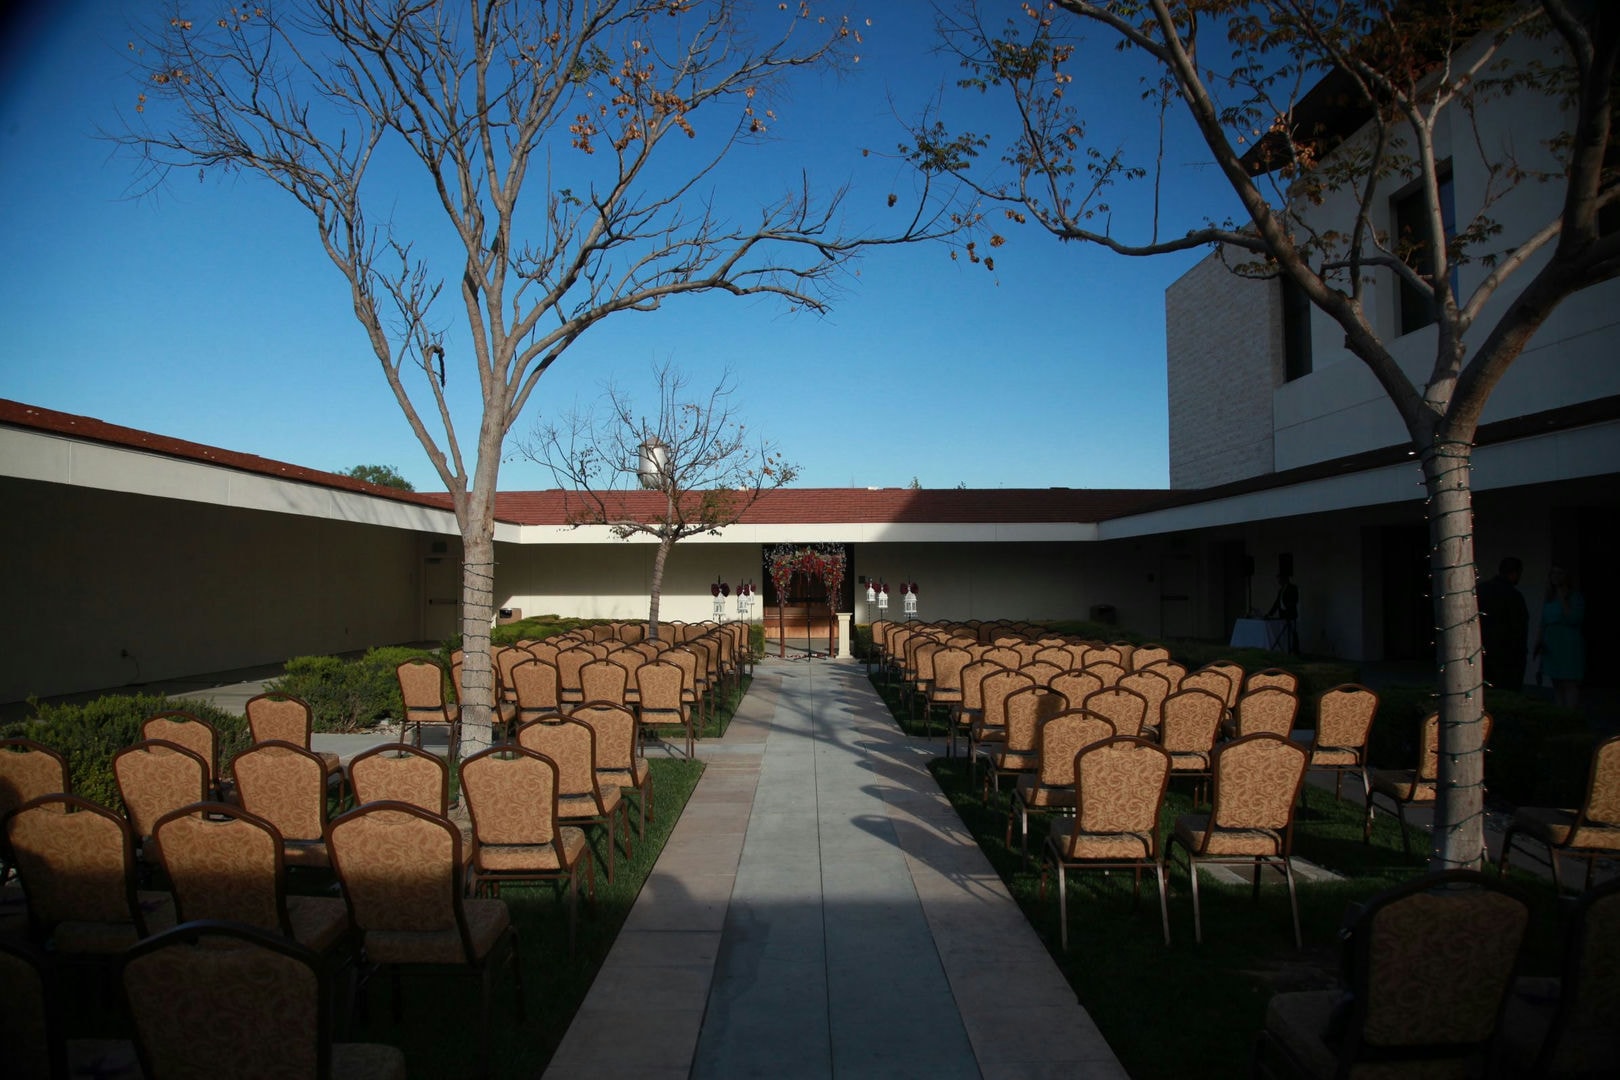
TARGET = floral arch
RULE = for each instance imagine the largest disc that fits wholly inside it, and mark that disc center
(824, 561)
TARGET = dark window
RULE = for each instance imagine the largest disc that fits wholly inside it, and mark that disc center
(1296, 313)
(1417, 305)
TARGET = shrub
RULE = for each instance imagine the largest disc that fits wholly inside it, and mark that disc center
(92, 733)
(1538, 754)
(348, 694)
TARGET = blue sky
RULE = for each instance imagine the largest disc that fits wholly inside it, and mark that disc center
(207, 312)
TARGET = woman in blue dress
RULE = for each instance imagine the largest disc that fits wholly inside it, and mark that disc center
(1562, 646)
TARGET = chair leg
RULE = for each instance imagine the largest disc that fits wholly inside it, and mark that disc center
(1293, 902)
(1198, 918)
(1507, 849)
(1063, 905)
(1164, 904)
(1400, 816)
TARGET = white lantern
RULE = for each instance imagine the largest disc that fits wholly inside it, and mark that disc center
(653, 468)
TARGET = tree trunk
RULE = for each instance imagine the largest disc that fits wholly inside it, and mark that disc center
(1458, 839)
(659, 559)
(477, 611)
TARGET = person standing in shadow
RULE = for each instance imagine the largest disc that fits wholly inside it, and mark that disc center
(1562, 644)
(1286, 608)
(1504, 628)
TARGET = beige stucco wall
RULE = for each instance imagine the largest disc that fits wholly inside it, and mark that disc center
(100, 589)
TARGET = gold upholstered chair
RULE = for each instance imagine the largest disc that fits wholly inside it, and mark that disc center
(1428, 966)
(1119, 788)
(401, 871)
(516, 835)
(77, 865)
(619, 762)
(1411, 787)
(1051, 786)
(193, 733)
(1269, 708)
(1190, 726)
(224, 863)
(286, 785)
(1256, 781)
(582, 798)
(421, 688)
(1015, 754)
(225, 999)
(155, 777)
(28, 769)
(1590, 831)
(1344, 717)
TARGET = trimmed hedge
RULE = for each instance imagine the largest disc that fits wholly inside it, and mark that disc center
(349, 694)
(91, 734)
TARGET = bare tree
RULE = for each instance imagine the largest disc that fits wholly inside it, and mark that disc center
(613, 117)
(700, 467)
(1408, 69)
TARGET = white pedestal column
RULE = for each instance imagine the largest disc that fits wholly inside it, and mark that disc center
(843, 635)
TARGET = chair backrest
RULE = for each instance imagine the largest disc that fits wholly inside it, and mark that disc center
(1153, 687)
(948, 665)
(1006, 656)
(569, 663)
(1234, 678)
(400, 867)
(77, 865)
(1267, 709)
(400, 772)
(994, 691)
(603, 680)
(1272, 676)
(688, 662)
(209, 997)
(1256, 781)
(276, 717)
(631, 660)
(155, 777)
(1042, 672)
(633, 633)
(1119, 787)
(1344, 716)
(189, 731)
(285, 785)
(546, 650)
(661, 683)
(1602, 804)
(973, 676)
(512, 797)
(1215, 681)
(1169, 669)
(536, 684)
(223, 863)
(1026, 710)
(1061, 738)
(1125, 709)
(571, 745)
(1057, 655)
(1192, 721)
(1143, 655)
(615, 727)
(1075, 684)
(1104, 654)
(1431, 962)
(922, 659)
(29, 769)
(1109, 671)
(506, 658)
(1584, 1038)
(1428, 769)
(421, 687)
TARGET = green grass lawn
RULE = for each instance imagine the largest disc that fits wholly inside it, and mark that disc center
(1190, 1009)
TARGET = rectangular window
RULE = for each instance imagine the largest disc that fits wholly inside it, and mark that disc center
(1296, 313)
(1410, 214)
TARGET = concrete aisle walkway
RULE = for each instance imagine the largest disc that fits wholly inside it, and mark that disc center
(820, 911)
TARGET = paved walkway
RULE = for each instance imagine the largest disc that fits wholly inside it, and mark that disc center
(820, 911)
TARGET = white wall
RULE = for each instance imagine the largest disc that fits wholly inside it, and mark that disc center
(101, 589)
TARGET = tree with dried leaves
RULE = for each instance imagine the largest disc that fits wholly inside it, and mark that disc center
(538, 167)
(1413, 75)
(699, 465)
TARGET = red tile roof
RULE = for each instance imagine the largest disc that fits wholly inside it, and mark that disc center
(17, 414)
(825, 506)
(788, 506)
